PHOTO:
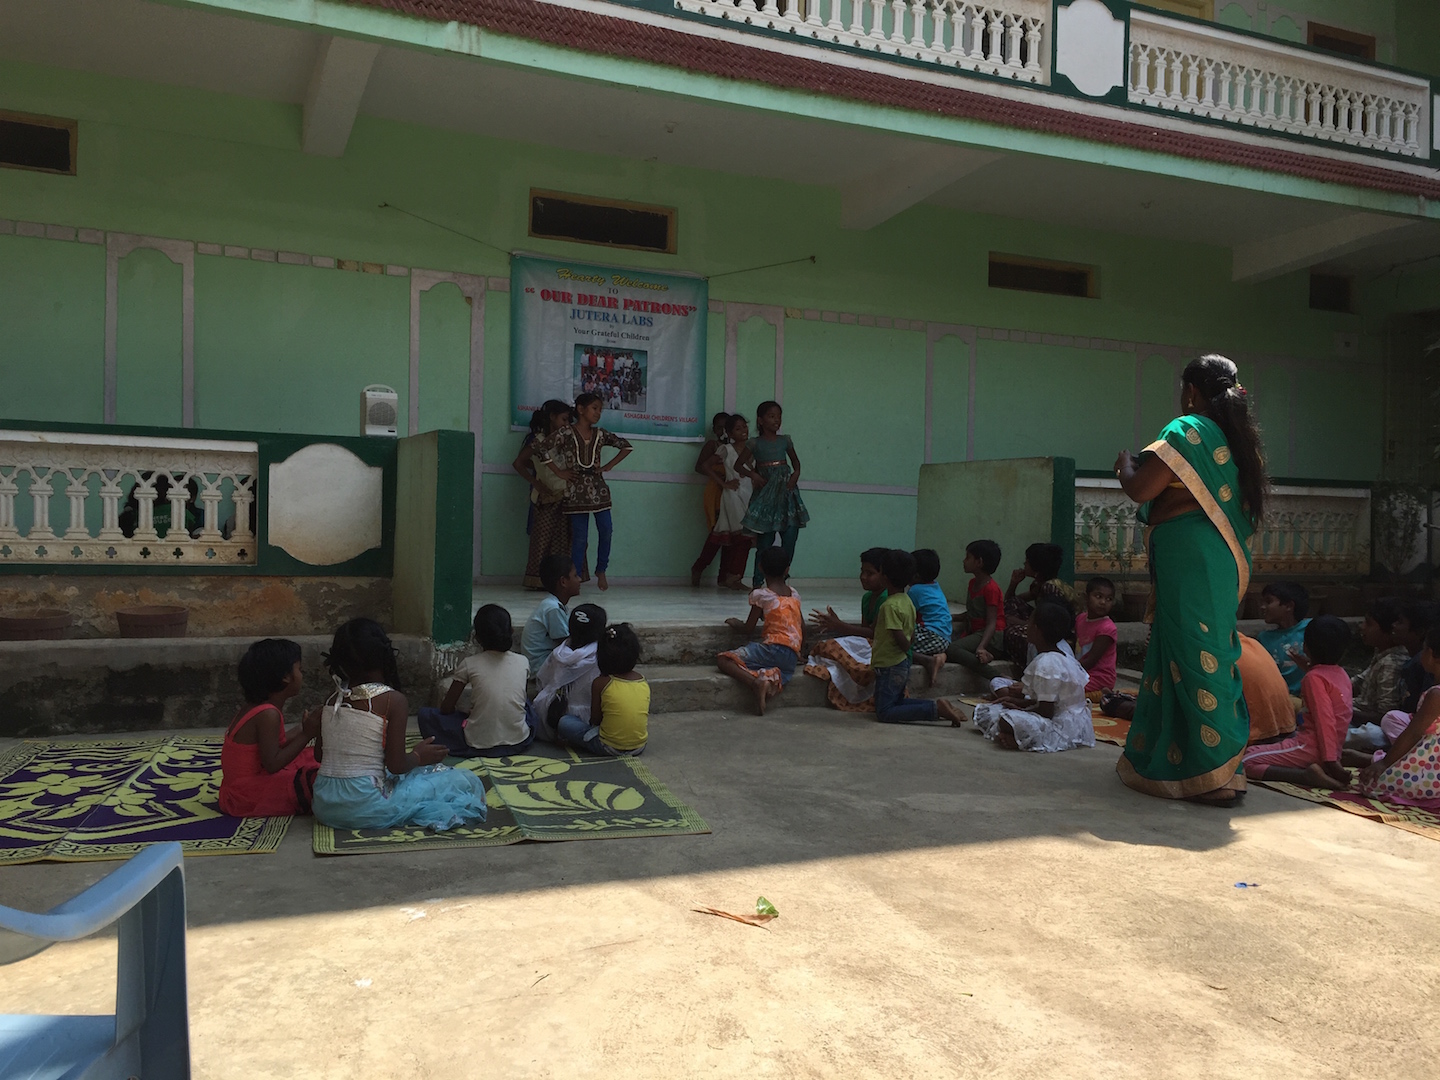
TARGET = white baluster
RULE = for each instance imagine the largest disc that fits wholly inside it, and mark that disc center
(857, 18)
(78, 491)
(1268, 108)
(812, 12)
(1287, 101)
(977, 33)
(40, 492)
(917, 24)
(897, 24)
(1013, 33)
(242, 495)
(957, 29)
(996, 32)
(835, 24)
(1032, 45)
(792, 12)
(145, 501)
(8, 490)
(110, 496)
(1327, 109)
(747, 6)
(770, 8)
(210, 498)
(877, 19)
(1412, 126)
(1189, 76)
(1256, 78)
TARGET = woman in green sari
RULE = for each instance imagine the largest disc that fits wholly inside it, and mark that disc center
(1203, 486)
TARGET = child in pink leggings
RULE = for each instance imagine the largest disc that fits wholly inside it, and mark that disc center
(1311, 756)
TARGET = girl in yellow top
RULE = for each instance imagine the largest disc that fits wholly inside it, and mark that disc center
(619, 700)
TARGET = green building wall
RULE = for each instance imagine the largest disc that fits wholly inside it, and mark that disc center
(288, 347)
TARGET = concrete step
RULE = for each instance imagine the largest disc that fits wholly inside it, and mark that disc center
(695, 687)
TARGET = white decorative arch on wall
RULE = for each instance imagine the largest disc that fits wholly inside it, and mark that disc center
(735, 316)
(935, 332)
(181, 252)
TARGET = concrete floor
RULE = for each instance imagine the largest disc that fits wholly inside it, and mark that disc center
(947, 909)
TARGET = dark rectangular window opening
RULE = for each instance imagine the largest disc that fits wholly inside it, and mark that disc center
(1329, 292)
(1037, 275)
(1344, 42)
(38, 143)
(609, 222)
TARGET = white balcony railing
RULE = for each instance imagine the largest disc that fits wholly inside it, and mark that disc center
(1206, 71)
(91, 499)
(1306, 532)
(1009, 38)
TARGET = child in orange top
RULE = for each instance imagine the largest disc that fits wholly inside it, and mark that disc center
(767, 666)
(265, 770)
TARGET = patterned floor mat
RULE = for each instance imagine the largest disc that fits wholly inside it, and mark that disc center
(549, 794)
(1409, 818)
(107, 798)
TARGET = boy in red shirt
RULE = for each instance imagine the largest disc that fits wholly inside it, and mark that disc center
(1311, 756)
(984, 610)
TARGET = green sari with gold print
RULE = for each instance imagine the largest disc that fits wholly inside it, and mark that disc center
(1191, 724)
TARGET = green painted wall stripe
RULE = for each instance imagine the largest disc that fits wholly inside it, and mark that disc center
(454, 533)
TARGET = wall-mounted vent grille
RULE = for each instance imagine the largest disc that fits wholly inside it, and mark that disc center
(1036, 275)
(554, 216)
(39, 143)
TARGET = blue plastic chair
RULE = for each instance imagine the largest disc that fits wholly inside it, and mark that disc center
(149, 1035)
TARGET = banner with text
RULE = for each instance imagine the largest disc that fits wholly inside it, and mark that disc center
(634, 337)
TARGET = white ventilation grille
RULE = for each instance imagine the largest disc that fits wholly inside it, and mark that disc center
(379, 410)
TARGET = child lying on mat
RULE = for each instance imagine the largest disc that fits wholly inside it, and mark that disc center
(765, 667)
(570, 671)
(619, 721)
(1046, 710)
(367, 779)
(500, 722)
(265, 769)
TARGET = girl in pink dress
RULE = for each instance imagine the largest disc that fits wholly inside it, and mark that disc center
(267, 771)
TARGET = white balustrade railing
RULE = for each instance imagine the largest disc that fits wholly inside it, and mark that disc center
(68, 497)
(1306, 531)
(1207, 71)
(1010, 38)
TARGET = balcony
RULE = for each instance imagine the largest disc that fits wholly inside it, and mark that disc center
(1137, 59)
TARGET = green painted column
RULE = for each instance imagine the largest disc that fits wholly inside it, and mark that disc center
(434, 532)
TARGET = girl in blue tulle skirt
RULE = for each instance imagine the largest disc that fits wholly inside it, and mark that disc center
(367, 778)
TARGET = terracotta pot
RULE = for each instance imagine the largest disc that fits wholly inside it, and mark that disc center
(152, 620)
(39, 624)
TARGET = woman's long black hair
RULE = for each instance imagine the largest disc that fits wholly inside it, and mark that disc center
(1218, 381)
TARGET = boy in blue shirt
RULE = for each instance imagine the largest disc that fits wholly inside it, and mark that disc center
(1284, 605)
(549, 624)
(933, 625)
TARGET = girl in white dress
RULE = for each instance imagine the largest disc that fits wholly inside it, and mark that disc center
(1046, 710)
(729, 535)
(367, 778)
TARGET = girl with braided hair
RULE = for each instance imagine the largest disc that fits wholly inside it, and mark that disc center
(1203, 486)
(368, 780)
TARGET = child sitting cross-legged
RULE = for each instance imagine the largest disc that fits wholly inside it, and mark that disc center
(619, 721)
(933, 623)
(1409, 772)
(842, 660)
(500, 722)
(266, 770)
(1046, 711)
(1311, 756)
(1095, 636)
(984, 610)
(1378, 689)
(367, 778)
(765, 667)
(568, 674)
(894, 638)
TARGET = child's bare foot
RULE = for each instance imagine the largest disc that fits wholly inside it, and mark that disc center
(762, 694)
(1338, 773)
(1005, 736)
(931, 664)
(946, 711)
(600, 582)
(1317, 776)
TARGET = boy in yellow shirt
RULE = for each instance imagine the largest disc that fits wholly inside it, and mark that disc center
(890, 657)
